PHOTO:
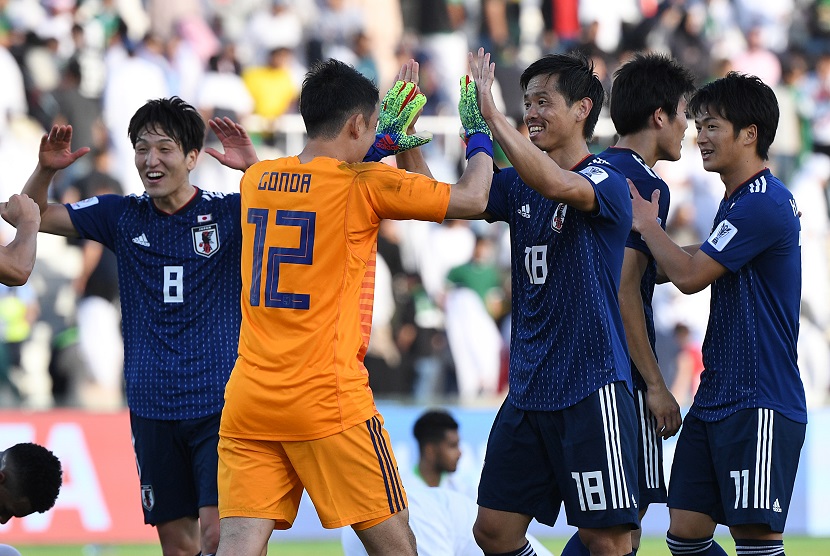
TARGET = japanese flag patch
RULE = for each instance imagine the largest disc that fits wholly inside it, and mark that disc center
(723, 234)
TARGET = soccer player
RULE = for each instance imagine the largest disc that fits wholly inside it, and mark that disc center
(299, 414)
(30, 480)
(648, 108)
(569, 414)
(737, 455)
(178, 251)
(17, 259)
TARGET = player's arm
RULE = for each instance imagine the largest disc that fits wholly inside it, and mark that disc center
(535, 167)
(690, 272)
(468, 197)
(17, 259)
(658, 397)
(412, 159)
(55, 154)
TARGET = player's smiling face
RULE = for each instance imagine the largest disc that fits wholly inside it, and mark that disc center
(716, 140)
(548, 117)
(163, 166)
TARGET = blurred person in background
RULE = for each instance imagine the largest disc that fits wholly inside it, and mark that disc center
(30, 480)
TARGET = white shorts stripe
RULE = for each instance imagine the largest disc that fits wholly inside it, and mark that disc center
(613, 447)
(648, 433)
(763, 459)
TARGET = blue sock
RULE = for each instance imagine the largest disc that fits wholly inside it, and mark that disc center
(526, 550)
(693, 547)
(575, 547)
(747, 547)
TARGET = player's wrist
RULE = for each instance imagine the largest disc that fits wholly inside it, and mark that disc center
(479, 142)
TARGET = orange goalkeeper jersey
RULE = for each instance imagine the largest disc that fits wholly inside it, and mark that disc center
(309, 241)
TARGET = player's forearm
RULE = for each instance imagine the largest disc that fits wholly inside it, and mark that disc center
(538, 170)
(413, 160)
(672, 260)
(21, 253)
(468, 198)
(37, 186)
(639, 347)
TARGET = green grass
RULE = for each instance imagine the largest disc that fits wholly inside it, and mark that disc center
(651, 546)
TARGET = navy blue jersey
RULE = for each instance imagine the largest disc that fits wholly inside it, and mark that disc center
(646, 180)
(567, 338)
(180, 285)
(749, 352)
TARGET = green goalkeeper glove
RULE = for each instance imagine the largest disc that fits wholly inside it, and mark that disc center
(477, 135)
(399, 108)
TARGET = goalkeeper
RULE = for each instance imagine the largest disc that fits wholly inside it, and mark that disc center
(299, 414)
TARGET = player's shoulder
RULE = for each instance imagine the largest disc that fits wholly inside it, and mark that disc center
(599, 170)
(766, 191)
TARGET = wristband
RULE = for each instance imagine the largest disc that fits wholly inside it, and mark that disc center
(479, 142)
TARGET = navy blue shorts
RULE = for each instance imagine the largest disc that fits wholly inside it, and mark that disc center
(177, 466)
(650, 477)
(583, 455)
(740, 470)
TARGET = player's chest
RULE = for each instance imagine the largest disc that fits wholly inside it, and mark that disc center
(198, 236)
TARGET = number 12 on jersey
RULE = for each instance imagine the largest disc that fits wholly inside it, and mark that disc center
(302, 254)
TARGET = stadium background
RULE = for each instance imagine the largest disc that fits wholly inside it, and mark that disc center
(91, 63)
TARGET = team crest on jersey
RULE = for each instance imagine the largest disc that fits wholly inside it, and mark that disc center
(148, 498)
(206, 239)
(558, 219)
(594, 173)
(723, 234)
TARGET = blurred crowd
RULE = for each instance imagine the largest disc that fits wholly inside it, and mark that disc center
(442, 305)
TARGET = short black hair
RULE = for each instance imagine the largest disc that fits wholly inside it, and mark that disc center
(644, 84)
(173, 116)
(432, 426)
(37, 474)
(742, 100)
(575, 80)
(332, 93)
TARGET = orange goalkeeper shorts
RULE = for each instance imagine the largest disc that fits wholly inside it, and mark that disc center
(351, 477)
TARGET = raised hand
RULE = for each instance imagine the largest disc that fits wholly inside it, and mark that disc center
(483, 73)
(56, 149)
(398, 112)
(239, 150)
(471, 118)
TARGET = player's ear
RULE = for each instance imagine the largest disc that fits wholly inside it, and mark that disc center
(355, 125)
(658, 117)
(191, 158)
(751, 133)
(584, 107)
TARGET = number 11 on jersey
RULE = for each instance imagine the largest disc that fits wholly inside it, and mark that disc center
(302, 254)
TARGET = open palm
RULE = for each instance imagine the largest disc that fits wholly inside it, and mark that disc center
(56, 148)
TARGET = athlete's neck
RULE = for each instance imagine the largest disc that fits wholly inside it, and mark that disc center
(641, 144)
(570, 155)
